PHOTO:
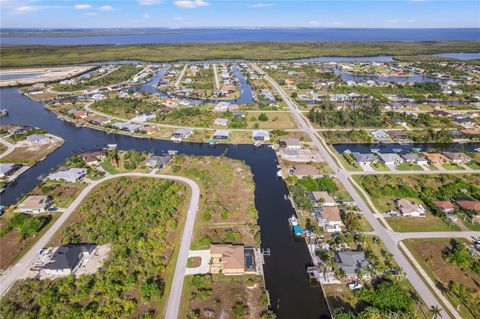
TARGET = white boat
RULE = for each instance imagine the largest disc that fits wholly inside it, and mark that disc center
(279, 173)
(172, 152)
(477, 149)
(293, 221)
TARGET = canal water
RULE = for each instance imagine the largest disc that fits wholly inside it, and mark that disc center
(286, 279)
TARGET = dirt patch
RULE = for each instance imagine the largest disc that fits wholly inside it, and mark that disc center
(194, 262)
(431, 252)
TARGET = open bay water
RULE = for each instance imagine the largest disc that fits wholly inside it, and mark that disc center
(209, 35)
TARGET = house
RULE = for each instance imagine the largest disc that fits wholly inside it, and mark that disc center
(290, 143)
(328, 218)
(149, 130)
(457, 157)
(37, 138)
(409, 209)
(181, 133)
(144, 117)
(35, 204)
(365, 159)
(390, 158)
(302, 155)
(66, 258)
(260, 135)
(227, 259)
(446, 206)
(303, 170)
(7, 169)
(413, 158)
(71, 175)
(221, 122)
(321, 199)
(398, 136)
(238, 114)
(222, 107)
(158, 161)
(351, 261)
(472, 205)
(127, 126)
(379, 135)
(99, 120)
(94, 158)
(436, 158)
(221, 135)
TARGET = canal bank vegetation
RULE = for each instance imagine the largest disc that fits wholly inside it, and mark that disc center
(214, 296)
(35, 55)
(121, 74)
(132, 282)
(227, 210)
(384, 190)
(449, 263)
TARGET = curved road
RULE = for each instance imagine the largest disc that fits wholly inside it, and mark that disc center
(16, 271)
(10, 147)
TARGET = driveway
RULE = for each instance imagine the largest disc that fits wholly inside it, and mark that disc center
(204, 267)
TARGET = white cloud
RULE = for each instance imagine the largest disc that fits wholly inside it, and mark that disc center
(146, 16)
(178, 18)
(338, 24)
(262, 5)
(25, 9)
(82, 6)
(91, 14)
(148, 2)
(314, 23)
(106, 8)
(191, 4)
(391, 21)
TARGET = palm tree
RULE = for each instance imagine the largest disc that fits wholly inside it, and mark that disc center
(435, 311)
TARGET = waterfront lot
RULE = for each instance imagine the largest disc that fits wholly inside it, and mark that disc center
(461, 287)
(224, 296)
(274, 120)
(227, 211)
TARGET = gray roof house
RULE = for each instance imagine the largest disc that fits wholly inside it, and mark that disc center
(390, 158)
(260, 135)
(72, 174)
(158, 161)
(7, 169)
(221, 134)
(351, 261)
(66, 258)
(181, 133)
(37, 138)
(457, 157)
(365, 158)
(414, 159)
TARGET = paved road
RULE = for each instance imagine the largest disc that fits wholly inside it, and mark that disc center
(388, 238)
(10, 147)
(173, 303)
(215, 74)
(450, 234)
(180, 77)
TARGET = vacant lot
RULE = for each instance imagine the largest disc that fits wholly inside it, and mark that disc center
(62, 194)
(274, 120)
(218, 295)
(227, 211)
(429, 253)
(139, 218)
(30, 154)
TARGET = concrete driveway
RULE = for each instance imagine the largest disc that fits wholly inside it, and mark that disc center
(204, 267)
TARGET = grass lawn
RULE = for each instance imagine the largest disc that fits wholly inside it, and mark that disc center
(409, 167)
(344, 162)
(452, 167)
(420, 224)
(108, 166)
(471, 226)
(379, 166)
(276, 120)
(428, 253)
(62, 193)
(473, 165)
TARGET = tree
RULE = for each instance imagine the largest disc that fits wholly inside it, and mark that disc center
(263, 117)
(239, 309)
(435, 311)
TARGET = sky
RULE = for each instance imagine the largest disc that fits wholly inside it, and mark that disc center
(238, 13)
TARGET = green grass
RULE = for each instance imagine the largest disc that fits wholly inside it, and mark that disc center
(35, 55)
(409, 167)
(473, 165)
(471, 226)
(452, 167)
(108, 166)
(380, 167)
(420, 224)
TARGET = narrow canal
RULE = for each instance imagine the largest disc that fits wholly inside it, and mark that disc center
(291, 294)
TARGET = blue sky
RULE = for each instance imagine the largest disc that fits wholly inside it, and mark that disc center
(265, 13)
